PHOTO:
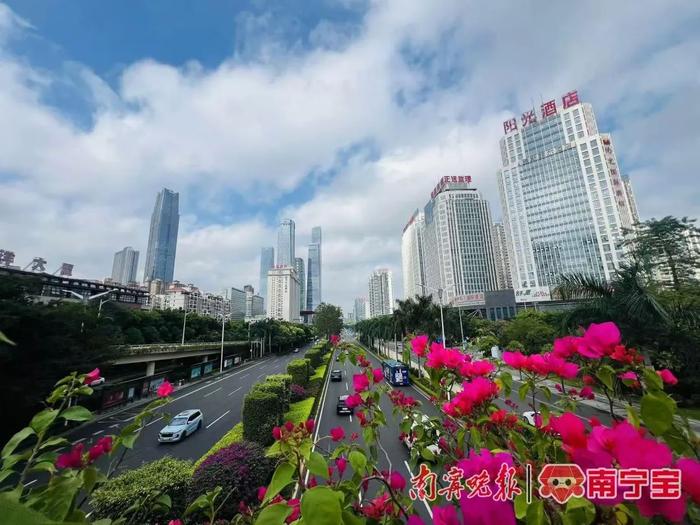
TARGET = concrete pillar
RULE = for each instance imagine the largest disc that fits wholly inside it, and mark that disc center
(150, 368)
(206, 358)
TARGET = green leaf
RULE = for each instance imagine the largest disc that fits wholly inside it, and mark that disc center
(520, 505)
(15, 440)
(652, 380)
(54, 441)
(507, 383)
(547, 392)
(274, 450)
(633, 416)
(351, 519)
(535, 513)
(606, 375)
(13, 459)
(280, 479)
(19, 514)
(43, 466)
(427, 454)
(4, 339)
(76, 413)
(579, 511)
(274, 514)
(657, 412)
(321, 506)
(523, 390)
(89, 479)
(42, 421)
(317, 465)
(358, 461)
(56, 501)
(164, 501)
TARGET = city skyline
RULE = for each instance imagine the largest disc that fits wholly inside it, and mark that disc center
(161, 250)
(354, 163)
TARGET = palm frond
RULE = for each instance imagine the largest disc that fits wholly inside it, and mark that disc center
(582, 286)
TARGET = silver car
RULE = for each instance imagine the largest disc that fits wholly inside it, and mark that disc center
(182, 425)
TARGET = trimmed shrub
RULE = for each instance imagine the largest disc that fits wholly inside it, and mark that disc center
(276, 389)
(232, 436)
(163, 476)
(240, 469)
(299, 370)
(300, 411)
(261, 413)
(284, 378)
(298, 393)
(314, 356)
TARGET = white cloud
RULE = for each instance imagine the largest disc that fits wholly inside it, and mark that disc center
(426, 87)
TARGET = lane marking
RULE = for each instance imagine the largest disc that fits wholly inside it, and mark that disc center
(242, 377)
(154, 421)
(114, 426)
(350, 418)
(30, 483)
(346, 387)
(424, 502)
(78, 441)
(213, 392)
(260, 376)
(222, 415)
(98, 432)
(234, 391)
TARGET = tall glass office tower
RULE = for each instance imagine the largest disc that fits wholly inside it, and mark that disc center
(412, 256)
(162, 238)
(267, 262)
(285, 243)
(564, 201)
(301, 274)
(124, 267)
(313, 281)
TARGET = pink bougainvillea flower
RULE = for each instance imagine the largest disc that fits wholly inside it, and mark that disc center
(341, 463)
(571, 429)
(397, 481)
(337, 433)
(485, 511)
(566, 346)
(277, 433)
(477, 368)
(379, 507)
(445, 515)
(588, 380)
(594, 421)
(71, 459)
(419, 345)
(378, 375)
(177, 522)
(165, 389)
(295, 504)
(599, 340)
(309, 424)
(667, 376)
(415, 519)
(353, 400)
(503, 418)
(102, 447)
(628, 376)
(289, 425)
(261, 493)
(473, 393)
(335, 339)
(312, 482)
(360, 382)
(515, 359)
(91, 376)
(690, 477)
(586, 393)
(354, 436)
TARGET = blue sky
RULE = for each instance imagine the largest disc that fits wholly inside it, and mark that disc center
(342, 114)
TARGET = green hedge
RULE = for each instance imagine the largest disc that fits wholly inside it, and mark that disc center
(300, 411)
(262, 411)
(164, 476)
(315, 357)
(299, 370)
(232, 436)
(276, 389)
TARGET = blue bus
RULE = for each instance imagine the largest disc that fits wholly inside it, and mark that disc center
(395, 372)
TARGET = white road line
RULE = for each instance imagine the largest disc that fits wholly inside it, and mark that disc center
(424, 502)
(350, 418)
(213, 391)
(234, 391)
(114, 426)
(30, 483)
(222, 415)
(259, 376)
(245, 376)
(98, 432)
(346, 387)
(154, 421)
(78, 441)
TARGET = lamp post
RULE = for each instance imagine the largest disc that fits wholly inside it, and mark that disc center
(184, 323)
(99, 309)
(221, 361)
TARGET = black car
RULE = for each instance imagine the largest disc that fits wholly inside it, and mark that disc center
(336, 375)
(342, 407)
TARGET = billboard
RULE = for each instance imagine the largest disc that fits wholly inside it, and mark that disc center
(534, 294)
(470, 299)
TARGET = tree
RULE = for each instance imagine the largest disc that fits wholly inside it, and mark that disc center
(531, 328)
(664, 248)
(328, 319)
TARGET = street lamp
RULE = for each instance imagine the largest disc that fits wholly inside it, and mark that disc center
(85, 299)
(102, 301)
(184, 323)
(221, 361)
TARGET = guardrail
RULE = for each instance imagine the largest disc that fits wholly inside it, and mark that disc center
(163, 348)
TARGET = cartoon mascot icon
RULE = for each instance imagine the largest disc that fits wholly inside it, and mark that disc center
(561, 482)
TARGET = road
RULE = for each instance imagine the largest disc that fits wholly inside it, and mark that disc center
(220, 399)
(397, 454)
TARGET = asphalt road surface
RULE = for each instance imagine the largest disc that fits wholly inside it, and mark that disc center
(220, 399)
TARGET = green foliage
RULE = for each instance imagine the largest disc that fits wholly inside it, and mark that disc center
(164, 476)
(299, 370)
(276, 389)
(531, 328)
(232, 436)
(315, 357)
(320, 373)
(328, 320)
(262, 411)
(300, 411)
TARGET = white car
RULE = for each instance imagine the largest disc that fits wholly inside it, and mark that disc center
(530, 417)
(408, 440)
(182, 425)
(98, 381)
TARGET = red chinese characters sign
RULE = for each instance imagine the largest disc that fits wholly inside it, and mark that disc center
(510, 125)
(547, 109)
(466, 179)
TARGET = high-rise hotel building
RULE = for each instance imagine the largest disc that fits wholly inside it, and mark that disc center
(564, 201)
(412, 260)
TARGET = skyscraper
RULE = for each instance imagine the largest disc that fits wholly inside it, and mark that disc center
(301, 274)
(500, 254)
(285, 243)
(381, 294)
(125, 264)
(412, 256)
(238, 303)
(564, 201)
(283, 294)
(458, 247)
(313, 282)
(267, 261)
(361, 310)
(162, 238)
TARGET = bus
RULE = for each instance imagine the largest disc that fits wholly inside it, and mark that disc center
(395, 372)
